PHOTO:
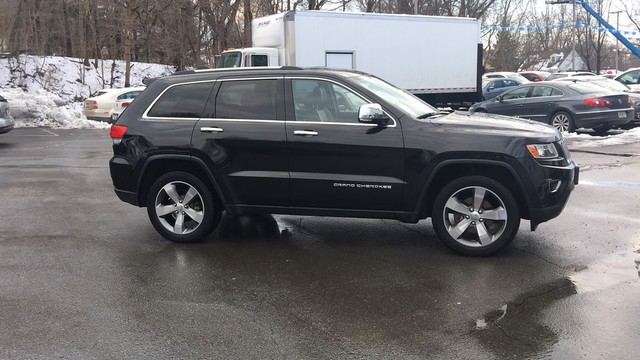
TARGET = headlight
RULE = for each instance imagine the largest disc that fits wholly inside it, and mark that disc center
(543, 151)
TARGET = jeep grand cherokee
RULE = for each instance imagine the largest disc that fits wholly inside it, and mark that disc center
(331, 143)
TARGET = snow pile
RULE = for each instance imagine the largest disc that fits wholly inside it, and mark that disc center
(631, 136)
(48, 91)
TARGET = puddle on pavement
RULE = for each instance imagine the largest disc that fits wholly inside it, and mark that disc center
(514, 330)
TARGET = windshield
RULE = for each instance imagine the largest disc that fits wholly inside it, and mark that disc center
(230, 59)
(408, 102)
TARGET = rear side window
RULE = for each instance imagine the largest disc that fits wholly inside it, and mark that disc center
(539, 91)
(247, 99)
(182, 101)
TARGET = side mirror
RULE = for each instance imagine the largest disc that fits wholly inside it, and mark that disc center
(499, 98)
(372, 114)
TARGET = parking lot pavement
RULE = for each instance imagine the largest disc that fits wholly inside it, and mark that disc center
(84, 275)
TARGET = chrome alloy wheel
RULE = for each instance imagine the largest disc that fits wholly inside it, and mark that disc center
(561, 122)
(475, 216)
(179, 207)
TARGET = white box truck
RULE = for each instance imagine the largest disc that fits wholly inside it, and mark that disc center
(439, 59)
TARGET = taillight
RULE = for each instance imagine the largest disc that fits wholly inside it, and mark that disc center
(95, 105)
(124, 105)
(631, 102)
(117, 133)
(597, 102)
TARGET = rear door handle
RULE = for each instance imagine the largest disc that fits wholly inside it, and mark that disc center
(211, 129)
(305, 133)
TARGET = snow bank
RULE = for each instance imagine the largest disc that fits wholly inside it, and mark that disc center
(631, 136)
(48, 91)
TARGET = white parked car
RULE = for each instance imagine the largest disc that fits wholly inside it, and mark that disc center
(100, 106)
(631, 78)
(123, 101)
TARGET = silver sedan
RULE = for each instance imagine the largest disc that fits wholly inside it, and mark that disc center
(6, 121)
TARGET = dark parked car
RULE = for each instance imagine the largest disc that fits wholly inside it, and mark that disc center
(6, 121)
(331, 143)
(492, 87)
(612, 85)
(565, 105)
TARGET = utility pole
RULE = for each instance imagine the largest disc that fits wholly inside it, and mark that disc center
(573, 38)
(617, 42)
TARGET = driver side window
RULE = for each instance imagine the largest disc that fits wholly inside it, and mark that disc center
(323, 101)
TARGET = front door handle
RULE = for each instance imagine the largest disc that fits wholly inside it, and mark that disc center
(305, 133)
(211, 129)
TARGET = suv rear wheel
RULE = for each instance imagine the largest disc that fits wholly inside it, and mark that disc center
(181, 208)
(475, 215)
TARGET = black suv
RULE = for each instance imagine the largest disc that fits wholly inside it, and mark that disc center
(331, 143)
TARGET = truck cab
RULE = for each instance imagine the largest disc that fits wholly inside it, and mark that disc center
(248, 57)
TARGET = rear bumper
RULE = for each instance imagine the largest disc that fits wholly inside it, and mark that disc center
(6, 124)
(607, 118)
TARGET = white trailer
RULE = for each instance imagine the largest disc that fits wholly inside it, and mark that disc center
(437, 58)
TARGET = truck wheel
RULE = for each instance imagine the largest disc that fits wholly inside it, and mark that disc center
(181, 208)
(475, 216)
(563, 122)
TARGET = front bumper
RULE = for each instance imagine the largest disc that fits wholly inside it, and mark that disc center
(555, 193)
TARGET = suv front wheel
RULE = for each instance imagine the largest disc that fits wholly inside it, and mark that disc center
(181, 207)
(475, 216)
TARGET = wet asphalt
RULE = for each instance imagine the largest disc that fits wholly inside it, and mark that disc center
(85, 276)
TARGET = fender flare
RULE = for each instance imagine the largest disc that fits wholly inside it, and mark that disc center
(434, 173)
(190, 158)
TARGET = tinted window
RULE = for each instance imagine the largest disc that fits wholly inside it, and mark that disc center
(539, 91)
(530, 77)
(247, 99)
(509, 83)
(555, 76)
(182, 101)
(516, 94)
(317, 100)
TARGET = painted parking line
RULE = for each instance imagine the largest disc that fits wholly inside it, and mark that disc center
(40, 133)
(610, 184)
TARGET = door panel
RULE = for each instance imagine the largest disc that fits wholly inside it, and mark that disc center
(243, 140)
(336, 162)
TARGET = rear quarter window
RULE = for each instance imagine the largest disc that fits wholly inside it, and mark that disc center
(182, 101)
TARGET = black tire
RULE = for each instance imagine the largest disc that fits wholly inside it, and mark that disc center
(562, 121)
(480, 110)
(459, 225)
(179, 220)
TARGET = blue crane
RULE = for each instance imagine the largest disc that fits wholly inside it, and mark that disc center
(611, 29)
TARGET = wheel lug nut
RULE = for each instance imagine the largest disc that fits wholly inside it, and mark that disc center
(471, 209)
(473, 223)
(468, 216)
(481, 220)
